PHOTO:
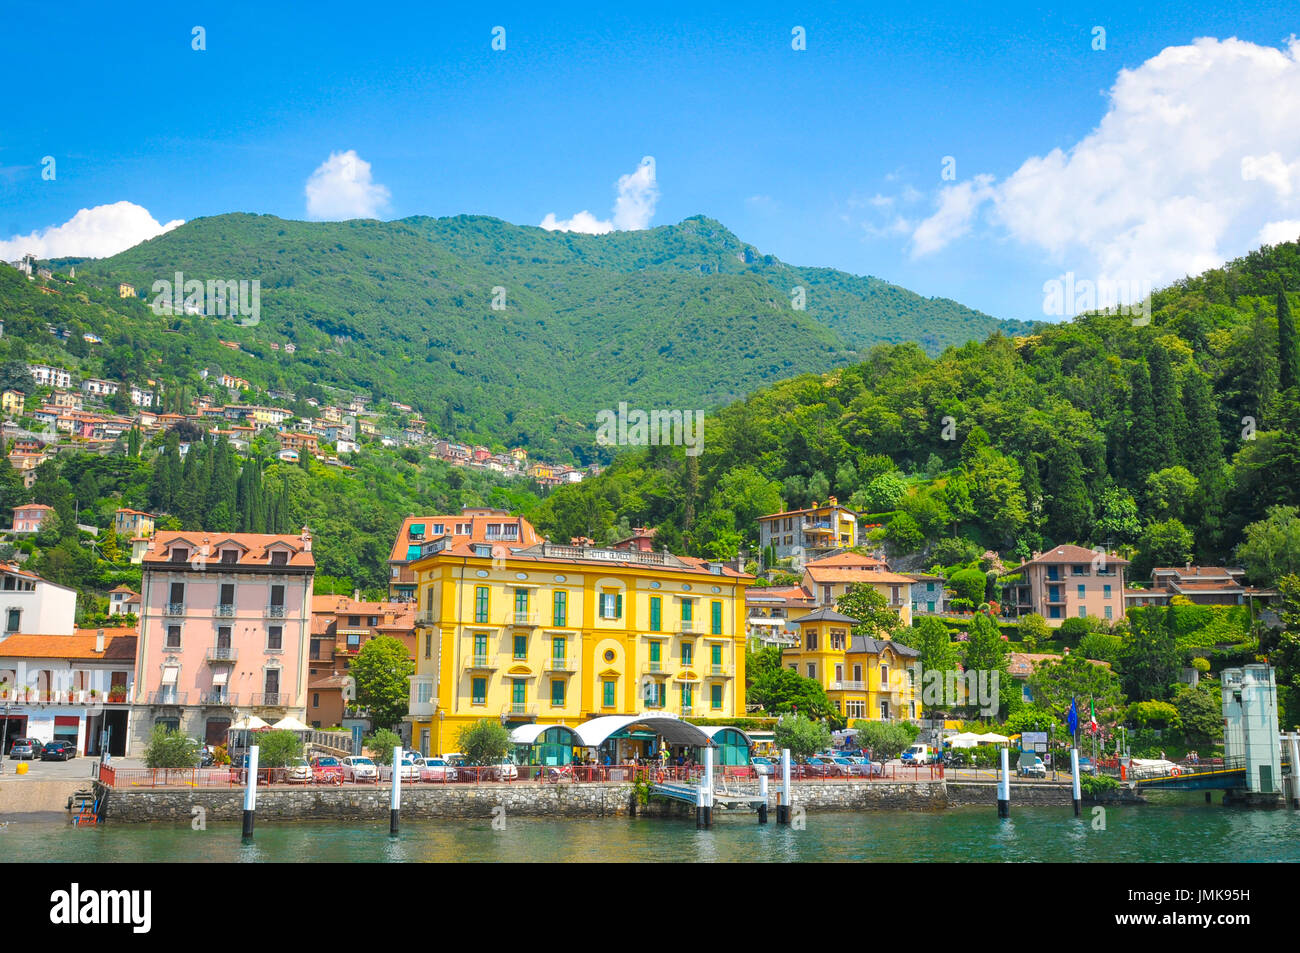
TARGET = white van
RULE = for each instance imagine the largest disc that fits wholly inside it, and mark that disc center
(917, 754)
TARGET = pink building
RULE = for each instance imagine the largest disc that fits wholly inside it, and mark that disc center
(1066, 582)
(225, 630)
(28, 519)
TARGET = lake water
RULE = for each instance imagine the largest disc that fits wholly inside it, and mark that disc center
(1172, 828)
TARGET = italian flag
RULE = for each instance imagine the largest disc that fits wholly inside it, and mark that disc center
(1092, 716)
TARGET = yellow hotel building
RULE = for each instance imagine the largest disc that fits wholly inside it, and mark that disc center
(561, 634)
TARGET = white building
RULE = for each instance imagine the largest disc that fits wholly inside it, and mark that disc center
(32, 605)
(47, 376)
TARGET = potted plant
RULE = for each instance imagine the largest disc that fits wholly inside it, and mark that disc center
(117, 693)
(32, 694)
(4, 691)
(94, 694)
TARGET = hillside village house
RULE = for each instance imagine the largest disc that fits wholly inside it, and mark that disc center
(1201, 585)
(829, 577)
(479, 524)
(69, 687)
(67, 400)
(552, 634)
(46, 376)
(340, 628)
(127, 522)
(811, 532)
(12, 402)
(123, 601)
(224, 631)
(1066, 582)
(32, 606)
(29, 517)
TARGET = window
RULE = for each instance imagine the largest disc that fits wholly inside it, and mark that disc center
(857, 673)
(173, 636)
(884, 677)
(558, 648)
(557, 693)
(1108, 615)
(177, 593)
(279, 557)
(812, 670)
(1082, 590)
(611, 605)
(654, 695)
(180, 554)
(480, 646)
(518, 693)
(688, 607)
(229, 556)
(688, 651)
(315, 699)
(424, 692)
(1083, 612)
(12, 619)
(354, 642)
(717, 618)
(272, 686)
(715, 657)
(480, 604)
(715, 696)
(656, 613)
(560, 608)
(655, 648)
(373, 620)
(428, 645)
(607, 699)
(521, 646)
(811, 639)
(521, 601)
(277, 595)
(354, 620)
(227, 594)
(1106, 591)
(687, 697)
(478, 691)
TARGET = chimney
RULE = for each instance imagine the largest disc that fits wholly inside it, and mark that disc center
(99, 640)
(356, 595)
(306, 540)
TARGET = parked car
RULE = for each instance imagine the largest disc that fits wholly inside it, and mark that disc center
(26, 748)
(299, 771)
(763, 766)
(326, 770)
(357, 768)
(503, 771)
(58, 751)
(820, 766)
(867, 768)
(436, 769)
(409, 771)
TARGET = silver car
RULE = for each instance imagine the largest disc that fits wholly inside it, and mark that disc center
(356, 768)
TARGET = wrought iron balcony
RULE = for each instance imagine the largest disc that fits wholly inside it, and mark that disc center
(168, 698)
(275, 612)
(219, 699)
(567, 664)
(224, 610)
(174, 608)
(270, 699)
(222, 653)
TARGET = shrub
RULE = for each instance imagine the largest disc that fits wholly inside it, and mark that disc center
(276, 749)
(802, 735)
(487, 741)
(170, 749)
(381, 745)
(1095, 785)
(1202, 665)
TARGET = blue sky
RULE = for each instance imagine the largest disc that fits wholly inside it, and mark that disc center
(826, 156)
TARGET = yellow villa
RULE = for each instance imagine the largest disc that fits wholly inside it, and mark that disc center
(554, 634)
(864, 678)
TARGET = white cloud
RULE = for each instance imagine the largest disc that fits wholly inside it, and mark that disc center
(634, 207)
(342, 188)
(92, 233)
(1275, 233)
(1196, 157)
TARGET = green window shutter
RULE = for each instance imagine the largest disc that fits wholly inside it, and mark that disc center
(687, 653)
(557, 692)
(609, 693)
(656, 607)
(480, 691)
(686, 610)
(716, 654)
(717, 618)
(618, 606)
(654, 651)
(717, 696)
(519, 689)
(521, 600)
(521, 646)
(557, 647)
(561, 598)
(481, 604)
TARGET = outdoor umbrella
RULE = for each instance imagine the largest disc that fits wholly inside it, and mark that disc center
(964, 740)
(992, 738)
(290, 723)
(251, 723)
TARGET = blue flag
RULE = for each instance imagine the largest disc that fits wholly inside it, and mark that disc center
(1072, 718)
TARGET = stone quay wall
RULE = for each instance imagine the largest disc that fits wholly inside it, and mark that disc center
(351, 802)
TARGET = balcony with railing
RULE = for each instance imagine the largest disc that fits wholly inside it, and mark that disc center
(426, 617)
(218, 699)
(222, 653)
(519, 710)
(482, 663)
(568, 663)
(687, 626)
(168, 697)
(655, 667)
(848, 686)
(524, 618)
(174, 608)
(225, 610)
(275, 612)
(270, 699)
(719, 670)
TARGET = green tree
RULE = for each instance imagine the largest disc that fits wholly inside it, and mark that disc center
(1053, 684)
(986, 652)
(785, 690)
(170, 749)
(1169, 492)
(486, 741)
(930, 637)
(1163, 543)
(1117, 520)
(278, 749)
(1066, 497)
(904, 535)
(1271, 548)
(382, 670)
(1202, 440)
(883, 493)
(803, 736)
(885, 739)
(1288, 357)
(1168, 407)
(1144, 446)
(875, 618)
(1100, 646)
(1033, 630)
(380, 744)
(1200, 716)
(1150, 660)
(969, 584)
(997, 492)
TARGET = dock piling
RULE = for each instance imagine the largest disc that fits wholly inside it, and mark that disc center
(395, 800)
(1074, 776)
(1293, 743)
(250, 792)
(783, 802)
(762, 793)
(1004, 787)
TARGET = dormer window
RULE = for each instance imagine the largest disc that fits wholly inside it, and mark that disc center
(180, 554)
(229, 556)
(279, 557)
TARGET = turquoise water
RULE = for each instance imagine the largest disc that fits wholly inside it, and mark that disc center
(1174, 828)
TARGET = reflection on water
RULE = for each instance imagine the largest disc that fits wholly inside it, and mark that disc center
(1177, 828)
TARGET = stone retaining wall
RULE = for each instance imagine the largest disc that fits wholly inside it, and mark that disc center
(543, 800)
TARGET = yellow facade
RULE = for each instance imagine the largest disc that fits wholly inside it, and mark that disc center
(875, 682)
(12, 402)
(569, 636)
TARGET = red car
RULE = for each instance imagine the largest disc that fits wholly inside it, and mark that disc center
(326, 770)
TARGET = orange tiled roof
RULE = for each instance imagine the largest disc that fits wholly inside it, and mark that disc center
(1068, 553)
(119, 645)
(870, 576)
(254, 548)
(847, 561)
(477, 517)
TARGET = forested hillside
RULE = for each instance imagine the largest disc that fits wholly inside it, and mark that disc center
(683, 316)
(1168, 439)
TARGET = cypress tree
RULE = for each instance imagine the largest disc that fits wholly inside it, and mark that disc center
(1069, 507)
(1168, 409)
(1288, 359)
(1143, 445)
(1202, 440)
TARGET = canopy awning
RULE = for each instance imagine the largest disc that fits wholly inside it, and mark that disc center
(290, 723)
(251, 723)
(672, 729)
(170, 674)
(529, 733)
(219, 677)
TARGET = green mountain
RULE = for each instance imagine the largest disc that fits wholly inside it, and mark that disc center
(684, 316)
